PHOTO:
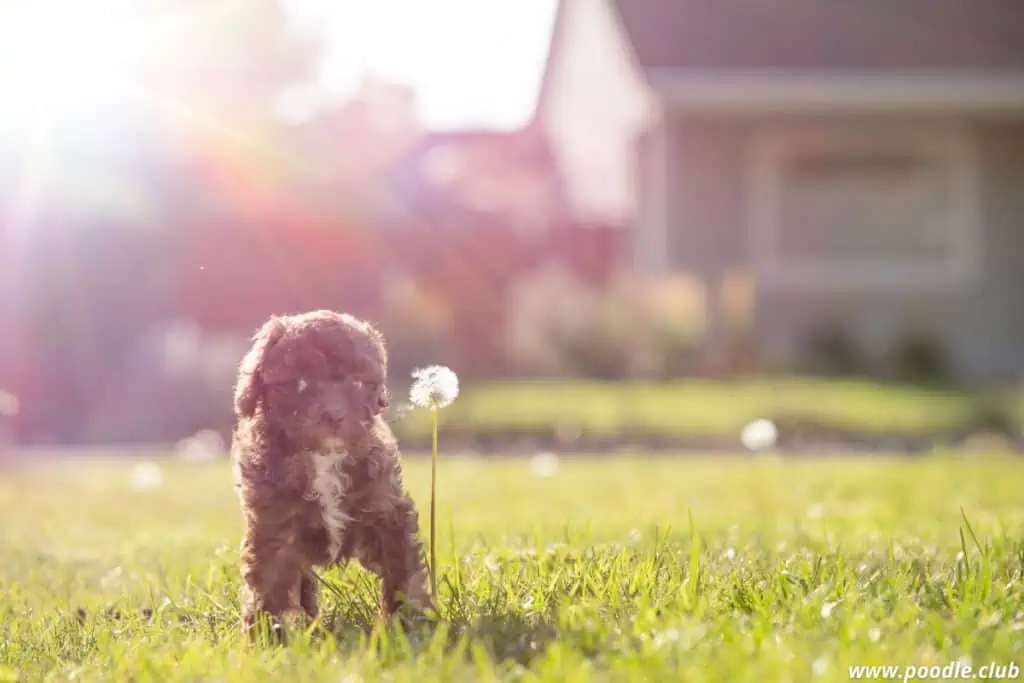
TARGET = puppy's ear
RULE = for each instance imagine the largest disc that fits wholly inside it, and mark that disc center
(249, 385)
(379, 338)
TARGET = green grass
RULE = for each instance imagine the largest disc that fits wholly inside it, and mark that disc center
(712, 407)
(611, 570)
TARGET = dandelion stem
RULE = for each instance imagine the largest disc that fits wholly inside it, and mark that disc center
(433, 509)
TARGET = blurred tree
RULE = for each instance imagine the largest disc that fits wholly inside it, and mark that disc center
(226, 54)
(220, 74)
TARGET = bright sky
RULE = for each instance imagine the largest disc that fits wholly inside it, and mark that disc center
(473, 63)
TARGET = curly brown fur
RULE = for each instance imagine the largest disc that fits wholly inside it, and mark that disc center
(317, 467)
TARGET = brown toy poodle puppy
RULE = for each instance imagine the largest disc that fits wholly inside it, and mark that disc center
(317, 468)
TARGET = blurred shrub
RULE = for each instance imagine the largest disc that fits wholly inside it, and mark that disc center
(831, 349)
(921, 358)
(540, 304)
(994, 414)
(560, 326)
(415, 324)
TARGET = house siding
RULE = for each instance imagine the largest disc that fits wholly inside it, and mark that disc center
(981, 324)
(991, 332)
(705, 206)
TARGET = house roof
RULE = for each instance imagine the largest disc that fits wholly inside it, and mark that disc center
(831, 35)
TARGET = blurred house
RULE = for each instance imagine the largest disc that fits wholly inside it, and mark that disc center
(860, 164)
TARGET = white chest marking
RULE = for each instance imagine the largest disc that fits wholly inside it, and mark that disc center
(328, 486)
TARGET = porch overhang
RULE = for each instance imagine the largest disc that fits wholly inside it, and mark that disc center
(760, 92)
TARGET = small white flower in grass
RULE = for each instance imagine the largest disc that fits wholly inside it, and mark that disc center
(435, 386)
(816, 511)
(112, 578)
(206, 444)
(663, 638)
(491, 563)
(544, 465)
(819, 666)
(759, 435)
(147, 476)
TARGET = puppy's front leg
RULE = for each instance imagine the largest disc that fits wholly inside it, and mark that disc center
(396, 555)
(309, 595)
(270, 576)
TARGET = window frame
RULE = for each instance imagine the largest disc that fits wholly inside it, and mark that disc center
(768, 156)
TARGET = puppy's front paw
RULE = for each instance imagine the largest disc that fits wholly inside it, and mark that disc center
(265, 630)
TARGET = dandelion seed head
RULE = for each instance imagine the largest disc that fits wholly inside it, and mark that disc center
(434, 386)
(827, 609)
(147, 476)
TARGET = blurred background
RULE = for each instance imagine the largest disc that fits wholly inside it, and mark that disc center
(652, 224)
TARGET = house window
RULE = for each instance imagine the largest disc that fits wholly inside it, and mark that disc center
(853, 210)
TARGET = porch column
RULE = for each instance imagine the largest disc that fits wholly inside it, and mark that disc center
(652, 245)
(715, 336)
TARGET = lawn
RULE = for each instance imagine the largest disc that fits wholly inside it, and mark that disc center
(713, 407)
(632, 568)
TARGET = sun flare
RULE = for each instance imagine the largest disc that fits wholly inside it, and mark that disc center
(66, 61)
